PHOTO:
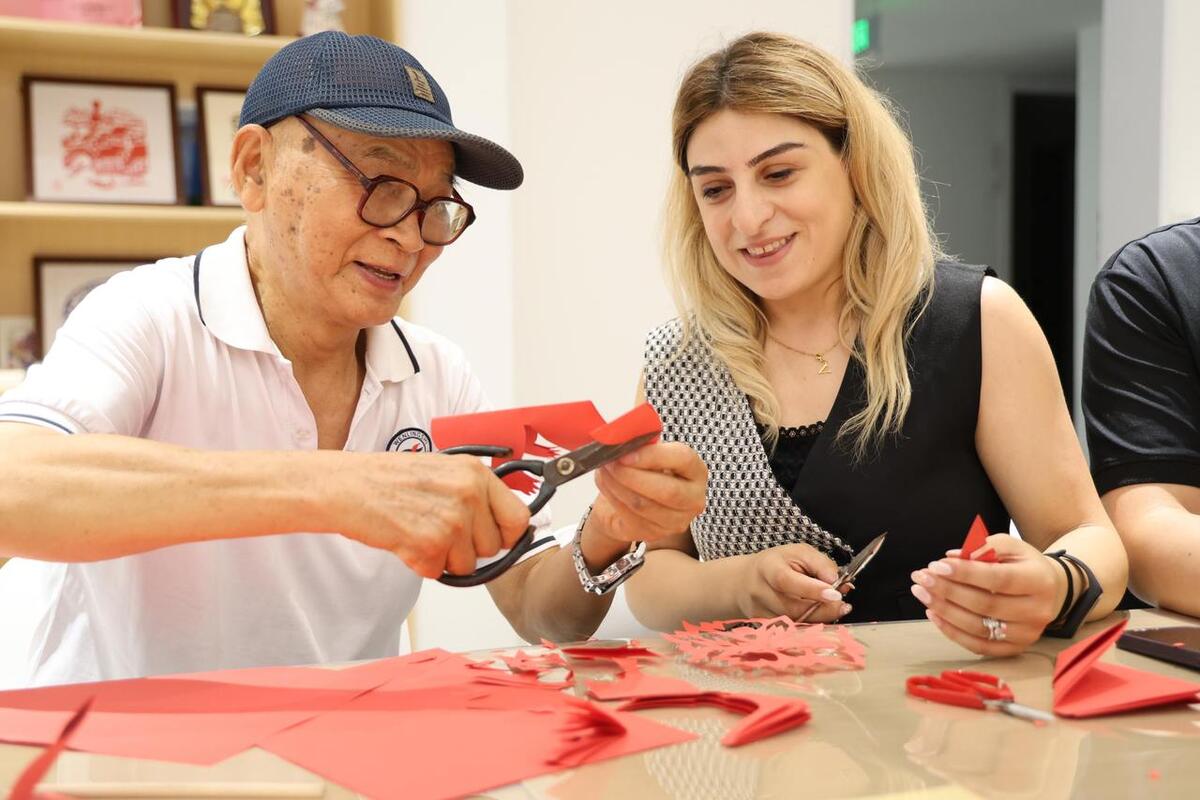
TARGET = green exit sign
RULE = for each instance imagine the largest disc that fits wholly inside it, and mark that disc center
(862, 35)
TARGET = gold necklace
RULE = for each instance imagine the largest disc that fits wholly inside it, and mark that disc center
(820, 357)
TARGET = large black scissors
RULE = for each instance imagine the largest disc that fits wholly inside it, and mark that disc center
(554, 473)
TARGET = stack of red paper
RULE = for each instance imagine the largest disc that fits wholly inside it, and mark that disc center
(426, 725)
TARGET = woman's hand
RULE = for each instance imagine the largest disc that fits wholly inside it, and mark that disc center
(651, 493)
(787, 580)
(1023, 590)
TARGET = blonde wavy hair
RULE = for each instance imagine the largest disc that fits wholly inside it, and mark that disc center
(888, 258)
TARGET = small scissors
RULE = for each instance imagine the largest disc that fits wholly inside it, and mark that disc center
(960, 687)
(849, 572)
(553, 473)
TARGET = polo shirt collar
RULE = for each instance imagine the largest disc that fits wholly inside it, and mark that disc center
(228, 307)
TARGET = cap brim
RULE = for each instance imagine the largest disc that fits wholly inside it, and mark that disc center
(477, 160)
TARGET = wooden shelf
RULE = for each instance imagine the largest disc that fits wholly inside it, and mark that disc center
(57, 213)
(20, 36)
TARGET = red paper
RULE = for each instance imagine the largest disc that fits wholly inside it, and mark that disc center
(766, 715)
(27, 783)
(635, 683)
(185, 719)
(1085, 688)
(778, 645)
(565, 425)
(442, 734)
(977, 538)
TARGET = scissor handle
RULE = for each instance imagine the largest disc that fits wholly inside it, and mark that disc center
(545, 491)
(982, 683)
(939, 690)
(492, 570)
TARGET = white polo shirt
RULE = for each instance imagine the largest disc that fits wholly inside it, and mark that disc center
(180, 353)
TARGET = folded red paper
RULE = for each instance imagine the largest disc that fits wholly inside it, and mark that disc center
(1085, 688)
(766, 715)
(563, 425)
(977, 539)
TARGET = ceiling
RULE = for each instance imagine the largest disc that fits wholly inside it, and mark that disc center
(1019, 36)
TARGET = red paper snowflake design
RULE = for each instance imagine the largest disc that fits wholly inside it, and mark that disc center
(778, 645)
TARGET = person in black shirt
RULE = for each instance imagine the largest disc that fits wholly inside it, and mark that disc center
(1141, 404)
(825, 343)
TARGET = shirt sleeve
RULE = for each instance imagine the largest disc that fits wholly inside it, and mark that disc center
(102, 373)
(1141, 390)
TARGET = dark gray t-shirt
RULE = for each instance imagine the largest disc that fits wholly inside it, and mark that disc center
(1141, 362)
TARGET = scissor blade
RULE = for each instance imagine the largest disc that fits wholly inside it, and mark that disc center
(1023, 712)
(583, 460)
(856, 565)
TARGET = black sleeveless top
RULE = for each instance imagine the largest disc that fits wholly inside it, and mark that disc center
(925, 486)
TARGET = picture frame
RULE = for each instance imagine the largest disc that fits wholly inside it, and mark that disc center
(246, 17)
(218, 109)
(125, 13)
(91, 141)
(61, 282)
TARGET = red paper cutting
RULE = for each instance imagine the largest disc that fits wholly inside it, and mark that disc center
(1083, 687)
(565, 425)
(766, 715)
(778, 645)
(976, 539)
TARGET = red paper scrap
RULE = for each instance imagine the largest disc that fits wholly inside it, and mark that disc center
(766, 715)
(778, 645)
(595, 652)
(565, 425)
(1083, 687)
(24, 788)
(976, 539)
(635, 683)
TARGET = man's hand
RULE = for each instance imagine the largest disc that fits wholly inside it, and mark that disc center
(651, 493)
(437, 513)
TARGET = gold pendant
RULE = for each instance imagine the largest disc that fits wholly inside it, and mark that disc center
(824, 364)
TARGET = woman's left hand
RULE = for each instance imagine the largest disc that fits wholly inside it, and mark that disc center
(1023, 590)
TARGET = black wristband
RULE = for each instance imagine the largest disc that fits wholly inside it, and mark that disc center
(1066, 603)
(1082, 605)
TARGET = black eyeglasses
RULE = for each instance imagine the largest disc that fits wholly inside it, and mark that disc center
(387, 201)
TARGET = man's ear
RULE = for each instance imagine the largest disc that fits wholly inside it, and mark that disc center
(248, 165)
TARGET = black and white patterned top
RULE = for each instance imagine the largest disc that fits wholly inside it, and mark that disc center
(700, 405)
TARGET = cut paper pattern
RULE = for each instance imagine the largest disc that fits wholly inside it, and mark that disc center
(565, 425)
(778, 645)
(1083, 687)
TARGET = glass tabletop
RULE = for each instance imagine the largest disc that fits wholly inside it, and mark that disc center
(866, 738)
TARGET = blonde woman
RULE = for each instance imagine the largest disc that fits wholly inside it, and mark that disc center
(841, 379)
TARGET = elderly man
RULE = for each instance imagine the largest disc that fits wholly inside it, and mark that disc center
(198, 475)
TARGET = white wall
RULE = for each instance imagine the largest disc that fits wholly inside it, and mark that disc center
(960, 123)
(1088, 258)
(553, 290)
(1130, 120)
(1179, 194)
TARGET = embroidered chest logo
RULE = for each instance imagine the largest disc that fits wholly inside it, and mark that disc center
(410, 440)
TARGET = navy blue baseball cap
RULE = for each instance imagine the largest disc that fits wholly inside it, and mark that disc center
(367, 85)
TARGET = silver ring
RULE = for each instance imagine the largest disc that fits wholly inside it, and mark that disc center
(997, 629)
